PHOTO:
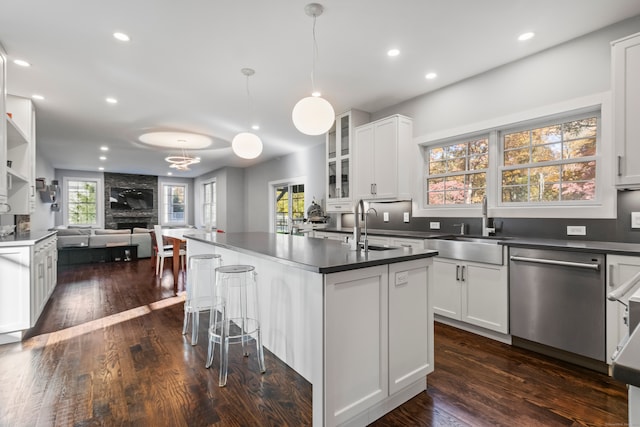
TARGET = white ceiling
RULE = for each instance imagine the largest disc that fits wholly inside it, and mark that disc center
(181, 69)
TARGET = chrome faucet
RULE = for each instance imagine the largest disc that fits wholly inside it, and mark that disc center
(360, 215)
(486, 230)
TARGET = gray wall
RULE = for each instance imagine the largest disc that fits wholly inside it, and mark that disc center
(43, 218)
(309, 163)
(230, 198)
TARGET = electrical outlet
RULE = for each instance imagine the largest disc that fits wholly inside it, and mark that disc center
(385, 216)
(576, 230)
(635, 219)
(406, 217)
(402, 277)
(434, 225)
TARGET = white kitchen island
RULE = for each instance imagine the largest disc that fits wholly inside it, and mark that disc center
(358, 326)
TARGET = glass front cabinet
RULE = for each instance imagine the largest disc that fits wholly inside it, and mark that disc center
(340, 161)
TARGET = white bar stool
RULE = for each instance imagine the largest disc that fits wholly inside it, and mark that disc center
(234, 315)
(200, 283)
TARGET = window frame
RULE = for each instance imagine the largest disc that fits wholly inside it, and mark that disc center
(161, 205)
(302, 180)
(603, 208)
(99, 201)
(214, 204)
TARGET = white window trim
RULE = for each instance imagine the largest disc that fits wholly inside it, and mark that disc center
(272, 196)
(603, 208)
(161, 209)
(99, 199)
(202, 198)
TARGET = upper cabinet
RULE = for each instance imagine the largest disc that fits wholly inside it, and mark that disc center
(4, 207)
(339, 172)
(383, 163)
(625, 84)
(20, 160)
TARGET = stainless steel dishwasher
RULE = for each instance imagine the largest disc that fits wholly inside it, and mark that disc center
(557, 298)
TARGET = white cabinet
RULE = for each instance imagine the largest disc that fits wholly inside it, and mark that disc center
(383, 163)
(3, 136)
(407, 243)
(339, 161)
(381, 349)
(625, 73)
(619, 270)
(29, 276)
(21, 153)
(475, 293)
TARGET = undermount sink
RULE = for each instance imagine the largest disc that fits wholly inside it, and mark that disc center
(381, 248)
(470, 248)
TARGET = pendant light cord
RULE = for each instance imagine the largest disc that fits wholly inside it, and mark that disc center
(314, 55)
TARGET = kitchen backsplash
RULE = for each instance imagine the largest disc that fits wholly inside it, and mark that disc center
(552, 228)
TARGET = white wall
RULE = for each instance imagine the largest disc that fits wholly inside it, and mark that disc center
(309, 163)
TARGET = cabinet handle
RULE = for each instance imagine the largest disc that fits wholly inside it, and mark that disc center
(619, 165)
(371, 190)
(338, 207)
(457, 273)
(375, 186)
(611, 284)
(462, 275)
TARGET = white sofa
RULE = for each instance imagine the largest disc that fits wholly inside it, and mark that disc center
(100, 237)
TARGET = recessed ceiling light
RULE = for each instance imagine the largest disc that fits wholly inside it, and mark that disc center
(100, 168)
(21, 62)
(104, 148)
(121, 36)
(526, 36)
(169, 173)
(38, 97)
(255, 127)
(103, 157)
(430, 76)
(316, 94)
(111, 100)
(393, 52)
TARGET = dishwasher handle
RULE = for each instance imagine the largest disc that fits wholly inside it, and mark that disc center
(590, 266)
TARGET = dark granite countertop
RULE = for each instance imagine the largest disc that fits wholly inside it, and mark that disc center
(317, 255)
(24, 239)
(613, 248)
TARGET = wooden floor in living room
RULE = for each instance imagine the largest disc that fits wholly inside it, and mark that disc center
(108, 350)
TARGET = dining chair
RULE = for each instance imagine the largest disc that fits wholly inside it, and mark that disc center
(163, 252)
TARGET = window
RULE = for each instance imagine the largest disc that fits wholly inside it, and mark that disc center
(174, 203)
(289, 204)
(209, 204)
(551, 163)
(82, 202)
(457, 173)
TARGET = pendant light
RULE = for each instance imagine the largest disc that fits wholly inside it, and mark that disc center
(246, 144)
(313, 115)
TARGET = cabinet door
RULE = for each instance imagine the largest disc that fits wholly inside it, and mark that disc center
(14, 289)
(3, 135)
(485, 296)
(619, 270)
(446, 288)
(385, 162)
(410, 324)
(408, 243)
(626, 92)
(38, 283)
(356, 342)
(364, 161)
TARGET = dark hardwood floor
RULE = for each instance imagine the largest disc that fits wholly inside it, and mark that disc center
(108, 350)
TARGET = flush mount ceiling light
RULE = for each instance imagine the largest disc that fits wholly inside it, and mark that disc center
(246, 144)
(180, 142)
(526, 36)
(313, 115)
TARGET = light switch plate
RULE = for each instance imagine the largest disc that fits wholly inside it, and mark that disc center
(385, 216)
(635, 219)
(576, 230)
(406, 217)
(435, 225)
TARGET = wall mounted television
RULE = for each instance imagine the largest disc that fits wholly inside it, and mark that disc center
(131, 198)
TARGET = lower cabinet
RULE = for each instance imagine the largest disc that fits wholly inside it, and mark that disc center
(378, 336)
(29, 275)
(619, 270)
(475, 293)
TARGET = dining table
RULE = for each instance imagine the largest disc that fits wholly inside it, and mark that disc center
(175, 236)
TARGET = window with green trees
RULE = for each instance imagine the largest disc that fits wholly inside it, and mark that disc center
(289, 205)
(82, 203)
(174, 203)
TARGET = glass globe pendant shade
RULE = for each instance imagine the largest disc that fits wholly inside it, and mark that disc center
(246, 145)
(313, 115)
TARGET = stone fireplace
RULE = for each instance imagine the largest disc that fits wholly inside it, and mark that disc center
(123, 219)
